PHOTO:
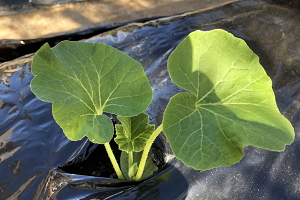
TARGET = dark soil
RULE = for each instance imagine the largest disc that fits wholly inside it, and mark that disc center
(97, 164)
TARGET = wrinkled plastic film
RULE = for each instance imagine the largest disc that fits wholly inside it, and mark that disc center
(32, 147)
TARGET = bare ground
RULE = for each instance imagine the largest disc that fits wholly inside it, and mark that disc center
(83, 15)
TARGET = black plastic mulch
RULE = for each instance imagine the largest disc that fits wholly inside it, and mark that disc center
(32, 145)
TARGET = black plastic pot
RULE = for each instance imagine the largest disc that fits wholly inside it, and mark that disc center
(33, 147)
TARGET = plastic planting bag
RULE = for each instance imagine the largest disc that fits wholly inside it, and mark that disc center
(39, 162)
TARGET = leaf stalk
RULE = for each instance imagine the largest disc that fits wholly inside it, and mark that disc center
(146, 151)
(130, 156)
(114, 161)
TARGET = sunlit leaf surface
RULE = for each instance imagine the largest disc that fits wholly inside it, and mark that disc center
(230, 103)
(83, 80)
(133, 132)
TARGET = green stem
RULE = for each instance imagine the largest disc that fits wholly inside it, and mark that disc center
(130, 154)
(146, 151)
(114, 161)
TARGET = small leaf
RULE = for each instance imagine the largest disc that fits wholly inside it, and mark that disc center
(230, 103)
(83, 80)
(132, 171)
(133, 133)
(124, 164)
(150, 167)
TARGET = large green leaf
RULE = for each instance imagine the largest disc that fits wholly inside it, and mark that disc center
(230, 103)
(129, 172)
(83, 80)
(133, 132)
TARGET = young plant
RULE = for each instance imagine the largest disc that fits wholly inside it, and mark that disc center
(229, 103)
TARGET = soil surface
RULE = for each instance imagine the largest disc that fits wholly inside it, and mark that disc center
(83, 15)
(97, 163)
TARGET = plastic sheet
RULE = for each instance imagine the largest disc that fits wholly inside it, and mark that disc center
(33, 146)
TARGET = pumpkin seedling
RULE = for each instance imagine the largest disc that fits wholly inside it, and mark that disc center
(229, 102)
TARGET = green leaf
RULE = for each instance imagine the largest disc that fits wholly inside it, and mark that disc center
(150, 167)
(132, 171)
(230, 103)
(83, 80)
(133, 133)
(124, 164)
